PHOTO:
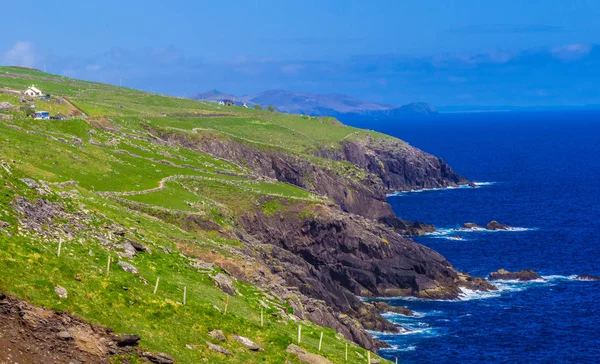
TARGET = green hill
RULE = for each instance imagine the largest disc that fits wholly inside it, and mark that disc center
(186, 190)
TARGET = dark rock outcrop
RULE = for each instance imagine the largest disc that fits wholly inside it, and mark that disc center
(383, 307)
(523, 275)
(334, 257)
(587, 277)
(495, 225)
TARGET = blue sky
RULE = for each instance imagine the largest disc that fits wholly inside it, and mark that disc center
(462, 52)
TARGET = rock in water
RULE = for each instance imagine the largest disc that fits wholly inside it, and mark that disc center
(524, 275)
(471, 226)
(60, 291)
(127, 267)
(224, 283)
(495, 225)
(306, 357)
(247, 343)
(587, 277)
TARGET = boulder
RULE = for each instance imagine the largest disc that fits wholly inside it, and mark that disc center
(524, 275)
(224, 283)
(495, 225)
(158, 358)
(126, 340)
(60, 291)
(247, 343)
(306, 357)
(587, 277)
(217, 335)
(126, 250)
(218, 349)
(127, 267)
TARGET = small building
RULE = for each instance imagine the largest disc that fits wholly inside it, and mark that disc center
(226, 102)
(33, 91)
(41, 115)
(221, 102)
(244, 105)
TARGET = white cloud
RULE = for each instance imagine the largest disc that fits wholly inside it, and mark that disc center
(571, 52)
(22, 53)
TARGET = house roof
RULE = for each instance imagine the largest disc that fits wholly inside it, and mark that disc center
(34, 89)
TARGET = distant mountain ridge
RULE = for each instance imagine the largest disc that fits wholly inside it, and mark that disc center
(307, 103)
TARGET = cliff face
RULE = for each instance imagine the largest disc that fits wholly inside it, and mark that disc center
(398, 165)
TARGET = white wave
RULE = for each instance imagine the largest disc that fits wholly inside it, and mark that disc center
(443, 232)
(398, 348)
(469, 294)
(477, 184)
(557, 277)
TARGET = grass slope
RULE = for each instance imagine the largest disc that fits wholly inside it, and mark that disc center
(118, 177)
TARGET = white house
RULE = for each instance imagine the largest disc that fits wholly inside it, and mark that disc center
(33, 92)
(246, 106)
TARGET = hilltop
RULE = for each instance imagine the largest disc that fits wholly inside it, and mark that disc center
(314, 104)
(267, 221)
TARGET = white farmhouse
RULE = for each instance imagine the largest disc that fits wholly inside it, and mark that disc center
(33, 91)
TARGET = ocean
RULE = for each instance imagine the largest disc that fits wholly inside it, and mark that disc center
(540, 173)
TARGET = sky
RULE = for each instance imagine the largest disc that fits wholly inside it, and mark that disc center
(462, 52)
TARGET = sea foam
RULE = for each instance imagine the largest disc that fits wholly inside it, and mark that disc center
(477, 184)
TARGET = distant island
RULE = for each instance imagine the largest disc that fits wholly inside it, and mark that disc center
(338, 105)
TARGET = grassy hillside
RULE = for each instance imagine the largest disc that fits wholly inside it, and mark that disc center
(103, 182)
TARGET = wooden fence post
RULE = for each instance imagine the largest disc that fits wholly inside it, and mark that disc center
(369, 357)
(59, 245)
(156, 285)
(261, 317)
(320, 340)
(226, 305)
(184, 294)
(299, 334)
(346, 356)
(108, 266)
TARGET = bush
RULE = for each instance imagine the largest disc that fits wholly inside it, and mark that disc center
(257, 107)
(271, 108)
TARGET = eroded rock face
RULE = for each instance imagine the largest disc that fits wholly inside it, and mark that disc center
(524, 275)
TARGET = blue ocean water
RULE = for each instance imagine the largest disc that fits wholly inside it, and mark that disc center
(545, 174)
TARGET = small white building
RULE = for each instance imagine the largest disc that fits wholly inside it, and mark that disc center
(246, 106)
(33, 91)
